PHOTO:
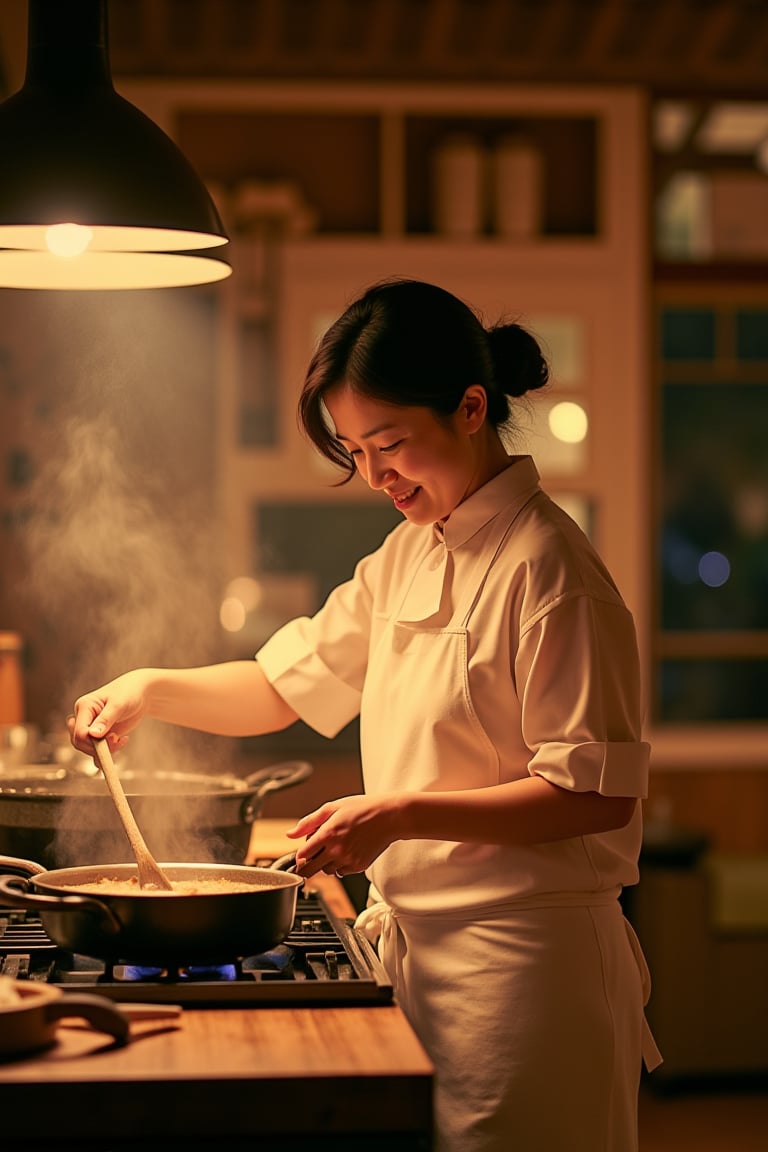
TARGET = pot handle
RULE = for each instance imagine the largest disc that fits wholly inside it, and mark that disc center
(285, 863)
(18, 867)
(101, 1014)
(273, 778)
(15, 892)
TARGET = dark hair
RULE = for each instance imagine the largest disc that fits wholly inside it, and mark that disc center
(413, 344)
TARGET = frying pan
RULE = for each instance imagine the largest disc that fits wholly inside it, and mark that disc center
(148, 927)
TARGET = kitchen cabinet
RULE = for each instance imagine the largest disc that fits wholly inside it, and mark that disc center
(328, 187)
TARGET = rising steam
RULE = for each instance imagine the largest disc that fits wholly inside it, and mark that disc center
(121, 539)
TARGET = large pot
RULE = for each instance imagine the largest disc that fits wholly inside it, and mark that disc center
(61, 816)
(150, 927)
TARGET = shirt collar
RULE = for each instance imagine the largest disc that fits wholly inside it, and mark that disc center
(514, 485)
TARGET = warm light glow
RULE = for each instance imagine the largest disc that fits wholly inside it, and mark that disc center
(568, 422)
(232, 614)
(112, 239)
(108, 270)
(67, 239)
(242, 596)
(247, 590)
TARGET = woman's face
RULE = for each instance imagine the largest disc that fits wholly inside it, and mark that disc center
(425, 465)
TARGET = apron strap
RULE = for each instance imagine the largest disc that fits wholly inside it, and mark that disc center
(504, 526)
(651, 1055)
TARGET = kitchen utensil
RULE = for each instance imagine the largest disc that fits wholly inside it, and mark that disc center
(147, 927)
(150, 875)
(29, 1022)
(62, 815)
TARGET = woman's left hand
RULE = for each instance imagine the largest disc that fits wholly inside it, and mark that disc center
(344, 836)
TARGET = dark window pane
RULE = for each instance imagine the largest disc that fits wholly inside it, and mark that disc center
(752, 334)
(697, 691)
(688, 334)
(713, 521)
(326, 541)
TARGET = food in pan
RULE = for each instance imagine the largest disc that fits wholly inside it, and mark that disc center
(212, 886)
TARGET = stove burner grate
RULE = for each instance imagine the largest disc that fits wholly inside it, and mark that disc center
(322, 961)
(20, 933)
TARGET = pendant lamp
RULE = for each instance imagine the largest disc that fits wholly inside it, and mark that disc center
(93, 194)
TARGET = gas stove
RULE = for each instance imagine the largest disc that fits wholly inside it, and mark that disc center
(322, 961)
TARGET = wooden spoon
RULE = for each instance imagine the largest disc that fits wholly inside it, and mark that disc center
(151, 874)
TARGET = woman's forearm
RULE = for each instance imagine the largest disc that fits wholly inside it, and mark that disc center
(351, 832)
(230, 699)
(530, 811)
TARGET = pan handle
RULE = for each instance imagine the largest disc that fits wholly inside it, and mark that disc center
(285, 863)
(101, 1014)
(15, 866)
(16, 893)
(273, 778)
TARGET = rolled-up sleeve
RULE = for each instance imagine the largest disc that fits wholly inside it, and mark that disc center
(578, 676)
(318, 663)
(322, 699)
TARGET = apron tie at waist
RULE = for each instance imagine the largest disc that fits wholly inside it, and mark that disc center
(378, 923)
(371, 920)
(651, 1055)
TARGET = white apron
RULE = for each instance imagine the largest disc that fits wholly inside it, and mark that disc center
(532, 1014)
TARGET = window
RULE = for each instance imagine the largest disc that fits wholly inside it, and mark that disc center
(710, 635)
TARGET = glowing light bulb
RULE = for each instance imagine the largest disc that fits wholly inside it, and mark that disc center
(68, 239)
(232, 615)
(247, 590)
(568, 422)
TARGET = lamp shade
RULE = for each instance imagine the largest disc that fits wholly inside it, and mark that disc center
(93, 194)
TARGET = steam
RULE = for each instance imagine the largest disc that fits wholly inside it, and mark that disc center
(121, 542)
(121, 568)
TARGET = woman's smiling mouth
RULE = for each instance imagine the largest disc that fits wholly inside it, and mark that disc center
(404, 499)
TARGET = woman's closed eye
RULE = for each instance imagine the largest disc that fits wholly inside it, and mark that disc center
(382, 448)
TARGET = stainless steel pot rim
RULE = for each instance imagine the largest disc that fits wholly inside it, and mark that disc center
(51, 781)
(55, 787)
(59, 879)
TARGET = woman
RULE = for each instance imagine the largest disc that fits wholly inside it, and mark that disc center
(494, 668)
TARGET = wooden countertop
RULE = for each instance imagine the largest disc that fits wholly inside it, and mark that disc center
(226, 1073)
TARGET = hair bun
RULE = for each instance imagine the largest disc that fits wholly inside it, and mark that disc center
(519, 363)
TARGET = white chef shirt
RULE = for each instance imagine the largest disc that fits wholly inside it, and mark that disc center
(553, 674)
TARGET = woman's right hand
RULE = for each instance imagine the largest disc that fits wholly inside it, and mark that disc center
(109, 712)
